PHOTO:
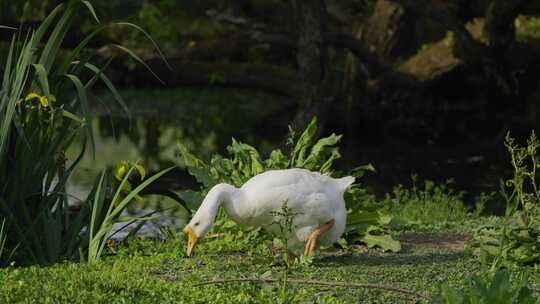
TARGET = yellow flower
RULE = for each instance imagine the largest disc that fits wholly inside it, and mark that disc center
(32, 96)
(124, 166)
(120, 170)
(191, 44)
(44, 102)
(140, 169)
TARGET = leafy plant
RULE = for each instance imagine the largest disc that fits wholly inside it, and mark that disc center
(517, 239)
(367, 222)
(44, 106)
(499, 288)
(306, 152)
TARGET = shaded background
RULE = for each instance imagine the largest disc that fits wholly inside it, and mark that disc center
(416, 87)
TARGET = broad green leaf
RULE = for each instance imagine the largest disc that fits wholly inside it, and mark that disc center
(204, 176)
(188, 158)
(303, 143)
(330, 161)
(246, 157)
(192, 199)
(321, 145)
(276, 160)
(385, 241)
(363, 218)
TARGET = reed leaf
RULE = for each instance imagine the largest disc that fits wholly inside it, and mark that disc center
(85, 109)
(138, 59)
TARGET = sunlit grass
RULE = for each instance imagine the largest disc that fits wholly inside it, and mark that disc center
(157, 272)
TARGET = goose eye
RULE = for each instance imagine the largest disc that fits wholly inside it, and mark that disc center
(196, 224)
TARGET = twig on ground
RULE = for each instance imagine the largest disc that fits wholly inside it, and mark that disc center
(215, 236)
(323, 283)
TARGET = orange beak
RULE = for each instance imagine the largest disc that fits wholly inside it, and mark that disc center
(192, 240)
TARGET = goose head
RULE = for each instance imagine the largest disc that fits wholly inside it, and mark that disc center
(205, 216)
(197, 228)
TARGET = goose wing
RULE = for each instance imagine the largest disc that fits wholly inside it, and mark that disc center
(312, 195)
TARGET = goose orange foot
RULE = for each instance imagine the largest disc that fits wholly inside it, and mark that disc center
(314, 236)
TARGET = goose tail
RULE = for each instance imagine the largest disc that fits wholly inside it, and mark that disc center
(345, 182)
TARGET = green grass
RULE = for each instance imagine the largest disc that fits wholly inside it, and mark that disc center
(145, 271)
(159, 274)
(429, 206)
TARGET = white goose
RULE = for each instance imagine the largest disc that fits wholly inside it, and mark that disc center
(316, 199)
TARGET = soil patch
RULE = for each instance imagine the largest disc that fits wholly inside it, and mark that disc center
(435, 240)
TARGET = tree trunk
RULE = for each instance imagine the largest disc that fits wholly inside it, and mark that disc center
(500, 30)
(499, 27)
(312, 59)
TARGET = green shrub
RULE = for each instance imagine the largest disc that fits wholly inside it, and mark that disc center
(306, 152)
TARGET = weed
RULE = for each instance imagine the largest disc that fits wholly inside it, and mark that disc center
(515, 240)
(285, 220)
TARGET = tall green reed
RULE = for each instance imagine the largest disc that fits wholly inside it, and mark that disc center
(100, 221)
(3, 236)
(44, 107)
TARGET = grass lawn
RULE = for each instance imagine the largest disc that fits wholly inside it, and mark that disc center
(150, 271)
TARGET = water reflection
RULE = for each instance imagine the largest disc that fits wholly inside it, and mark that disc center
(203, 120)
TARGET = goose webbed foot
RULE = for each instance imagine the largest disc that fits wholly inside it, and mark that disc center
(314, 236)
